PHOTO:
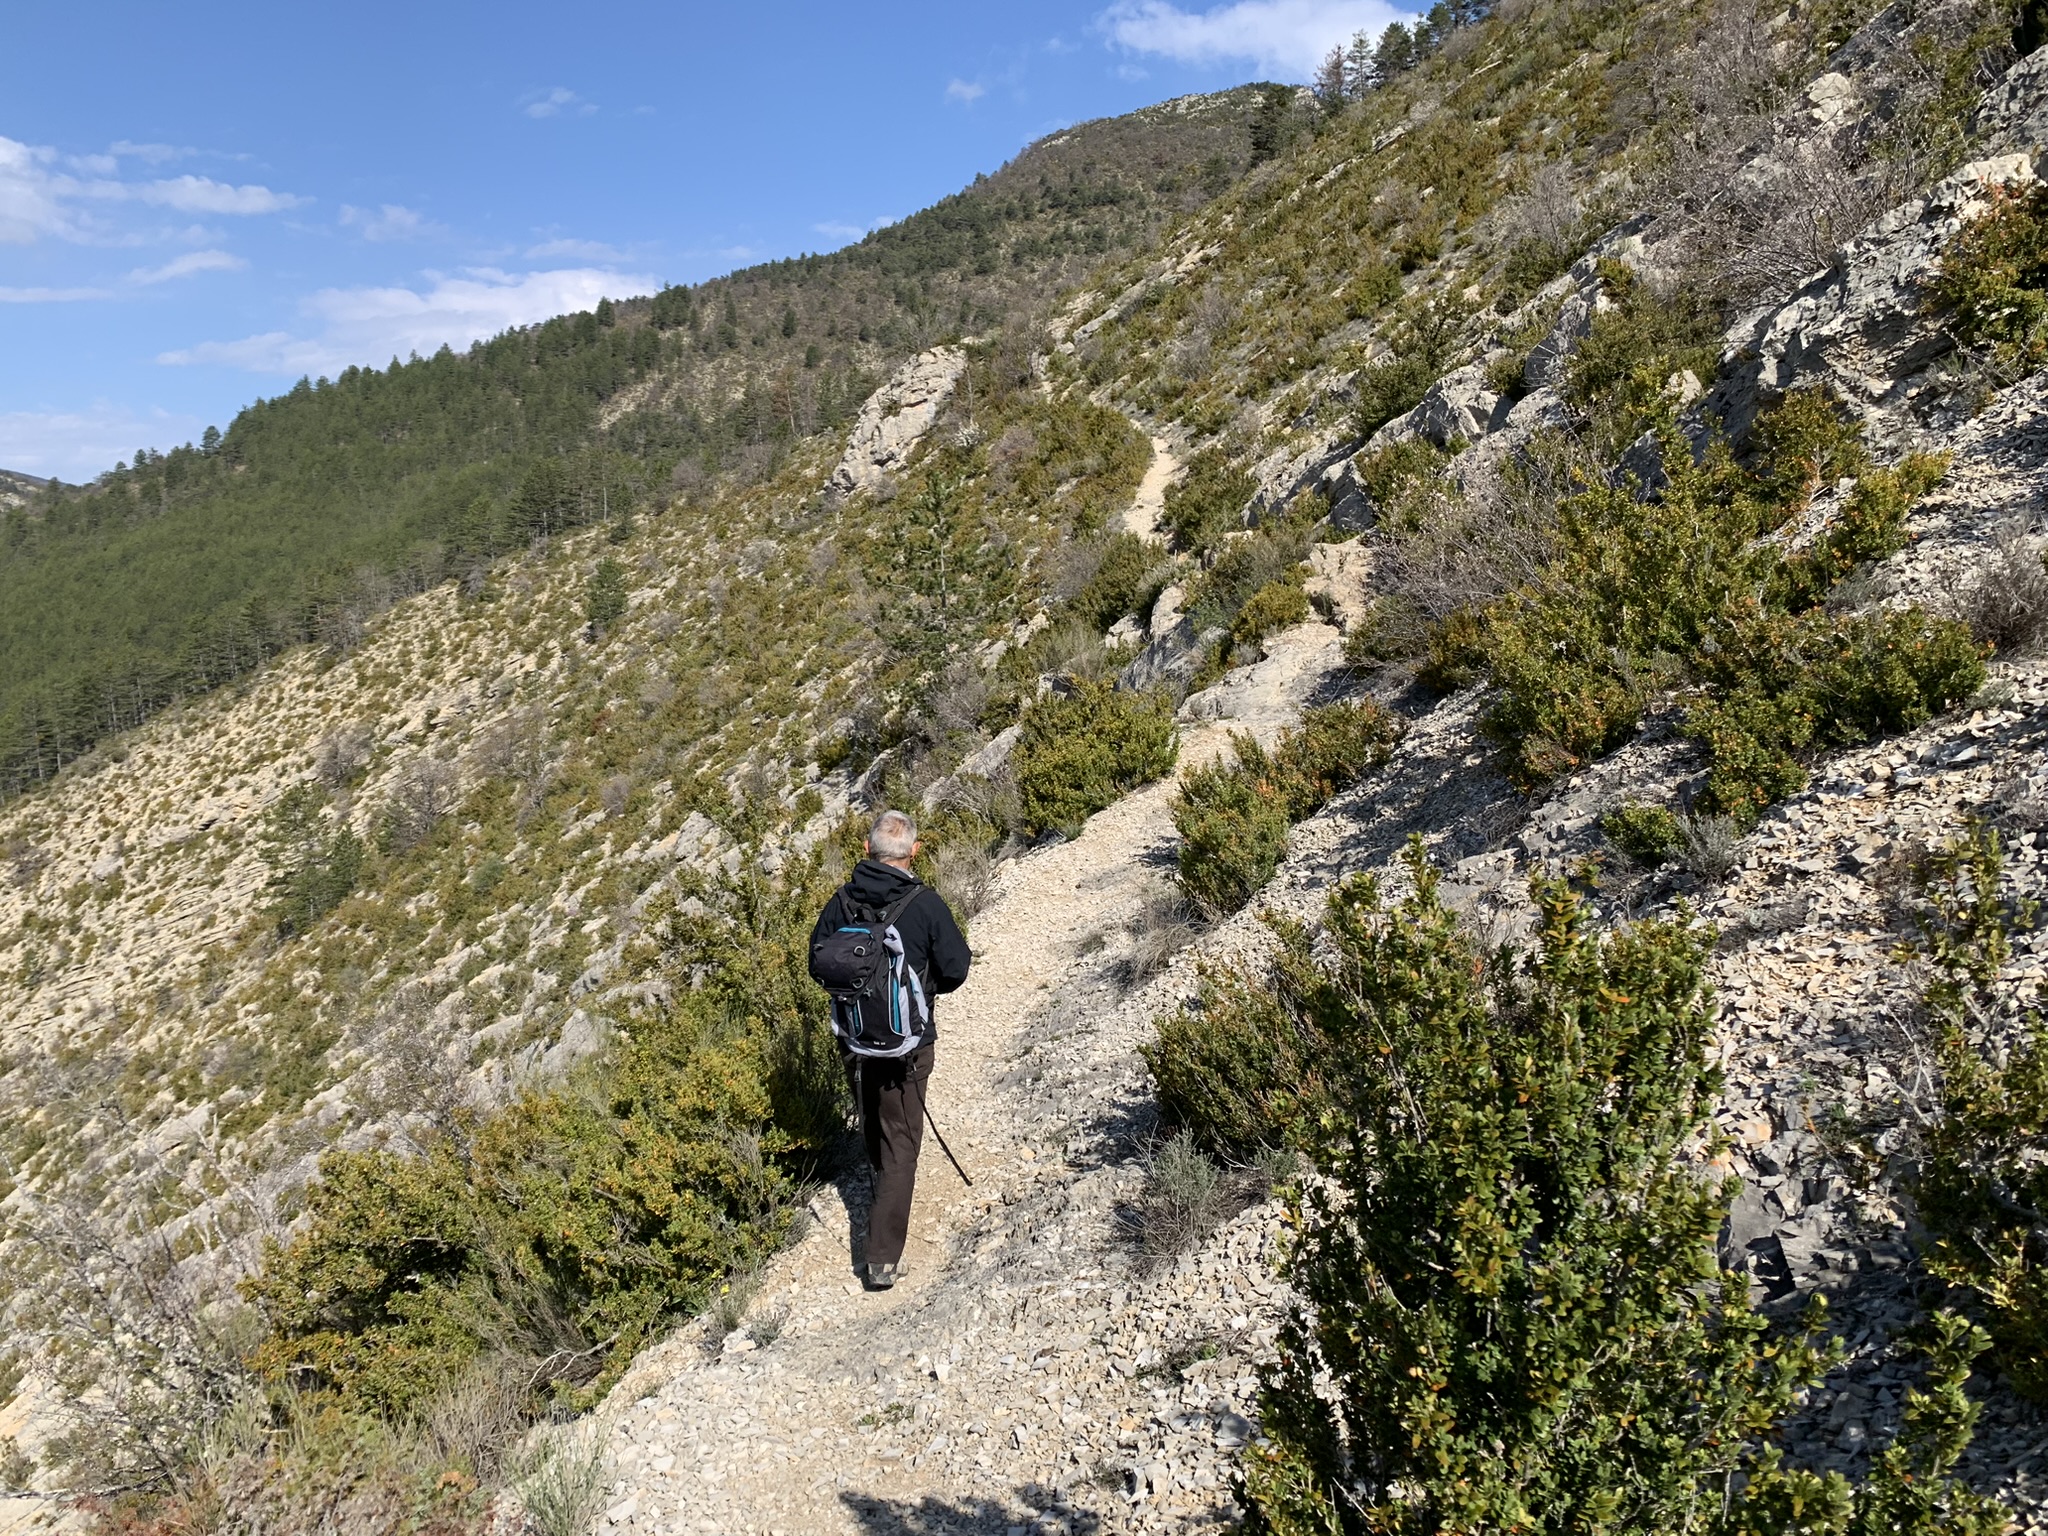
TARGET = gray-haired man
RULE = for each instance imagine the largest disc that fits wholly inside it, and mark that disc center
(890, 1090)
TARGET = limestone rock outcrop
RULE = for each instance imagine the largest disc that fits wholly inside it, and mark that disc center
(896, 418)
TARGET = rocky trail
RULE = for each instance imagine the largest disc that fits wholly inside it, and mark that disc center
(1027, 1373)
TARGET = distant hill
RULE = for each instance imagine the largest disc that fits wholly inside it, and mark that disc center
(16, 488)
(319, 506)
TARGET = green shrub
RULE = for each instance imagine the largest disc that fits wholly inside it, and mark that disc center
(1622, 364)
(1081, 751)
(1402, 479)
(1644, 595)
(1242, 1067)
(1649, 834)
(1275, 606)
(1125, 580)
(1994, 278)
(569, 1228)
(604, 600)
(1391, 388)
(1243, 568)
(1983, 1187)
(1208, 500)
(1233, 816)
(1511, 1316)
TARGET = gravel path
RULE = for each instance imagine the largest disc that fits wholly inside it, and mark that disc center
(1027, 1372)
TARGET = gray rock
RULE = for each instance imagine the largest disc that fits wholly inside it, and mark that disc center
(895, 419)
(1457, 408)
(1171, 660)
(1862, 327)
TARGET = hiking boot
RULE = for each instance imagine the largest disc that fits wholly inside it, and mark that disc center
(881, 1276)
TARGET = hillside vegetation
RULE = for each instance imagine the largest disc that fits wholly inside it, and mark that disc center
(319, 507)
(1640, 398)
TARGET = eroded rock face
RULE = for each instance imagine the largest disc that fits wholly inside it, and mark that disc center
(1864, 327)
(896, 418)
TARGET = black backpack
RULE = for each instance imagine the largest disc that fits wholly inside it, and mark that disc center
(878, 1003)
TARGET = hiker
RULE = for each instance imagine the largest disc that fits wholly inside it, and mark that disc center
(884, 947)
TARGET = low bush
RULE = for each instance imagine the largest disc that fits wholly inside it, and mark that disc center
(1984, 1185)
(1620, 369)
(1644, 596)
(1402, 479)
(1207, 501)
(2006, 603)
(1511, 1317)
(1127, 577)
(1233, 815)
(1993, 280)
(1078, 752)
(1242, 1068)
(1649, 834)
(567, 1229)
(1391, 388)
(1244, 568)
(1276, 606)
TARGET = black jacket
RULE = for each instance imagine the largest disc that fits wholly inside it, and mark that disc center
(932, 941)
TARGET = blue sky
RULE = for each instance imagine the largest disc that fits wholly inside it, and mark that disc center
(200, 203)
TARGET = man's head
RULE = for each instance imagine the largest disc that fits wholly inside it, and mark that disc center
(893, 839)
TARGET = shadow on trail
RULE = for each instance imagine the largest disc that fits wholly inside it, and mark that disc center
(930, 1516)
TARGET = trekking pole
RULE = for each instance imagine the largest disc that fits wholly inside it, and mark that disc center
(928, 1120)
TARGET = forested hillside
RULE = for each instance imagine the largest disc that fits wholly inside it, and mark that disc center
(317, 508)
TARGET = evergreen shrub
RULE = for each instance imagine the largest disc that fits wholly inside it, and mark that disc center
(1207, 501)
(1078, 752)
(1649, 834)
(1984, 1185)
(1646, 596)
(1511, 1317)
(1233, 815)
(568, 1229)
(1993, 279)
(1276, 606)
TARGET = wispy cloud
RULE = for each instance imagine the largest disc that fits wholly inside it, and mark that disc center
(388, 221)
(369, 325)
(967, 91)
(1287, 37)
(150, 154)
(837, 230)
(52, 295)
(582, 250)
(76, 445)
(38, 200)
(557, 101)
(188, 265)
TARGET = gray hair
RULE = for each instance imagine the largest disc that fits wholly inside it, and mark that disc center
(893, 836)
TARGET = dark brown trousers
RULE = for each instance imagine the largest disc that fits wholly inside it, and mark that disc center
(891, 1099)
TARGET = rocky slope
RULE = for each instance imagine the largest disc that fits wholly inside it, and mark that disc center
(1038, 1369)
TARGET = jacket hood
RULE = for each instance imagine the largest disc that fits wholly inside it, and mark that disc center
(878, 884)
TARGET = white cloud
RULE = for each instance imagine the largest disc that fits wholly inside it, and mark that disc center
(558, 102)
(202, 194)
(388, 221)
(187, 265)
(965, 90)
(76, 445)
(368, 326)
(837, 230)
(582, 250)
(38, 201)
(1287, 37)
(51, 295)
(149, 154)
